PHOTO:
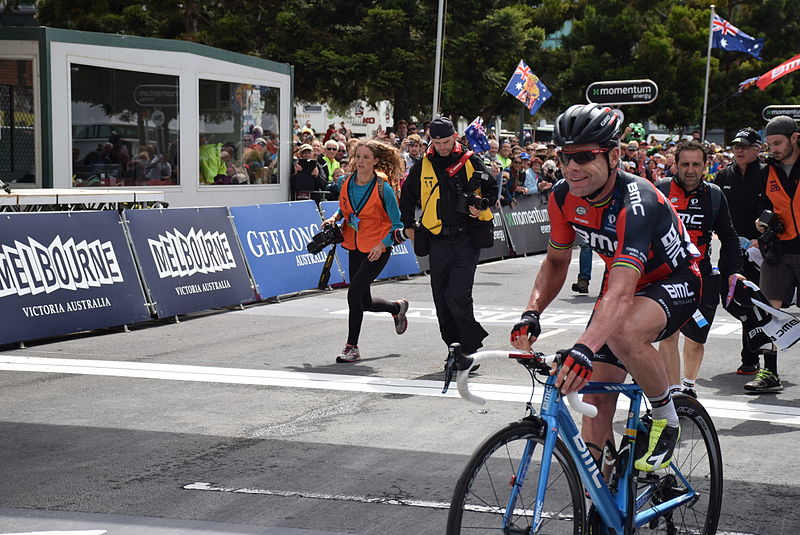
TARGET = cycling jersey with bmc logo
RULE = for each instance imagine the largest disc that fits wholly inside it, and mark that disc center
(634, 226)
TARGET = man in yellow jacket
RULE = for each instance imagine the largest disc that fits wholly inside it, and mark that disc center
(454, 190)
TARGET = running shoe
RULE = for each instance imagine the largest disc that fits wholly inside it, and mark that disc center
(661, 440)
(349, 354)
(747, 369)
(400, 320)
(765, 381)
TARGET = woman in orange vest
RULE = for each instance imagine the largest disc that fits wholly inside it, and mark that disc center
(368, 205)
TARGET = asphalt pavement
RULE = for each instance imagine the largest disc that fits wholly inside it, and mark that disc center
(241, 421)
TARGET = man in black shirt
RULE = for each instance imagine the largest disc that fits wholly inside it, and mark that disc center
(454, 190)
(741, 182)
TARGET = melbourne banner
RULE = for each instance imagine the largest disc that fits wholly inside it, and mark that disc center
(528, 224)
(403, 261)
(66, 272)
(189, 258)
(274, 238)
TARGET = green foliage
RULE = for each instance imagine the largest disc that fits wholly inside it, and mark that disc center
(384, 49)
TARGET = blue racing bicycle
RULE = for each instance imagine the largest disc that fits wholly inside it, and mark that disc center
(534, 476)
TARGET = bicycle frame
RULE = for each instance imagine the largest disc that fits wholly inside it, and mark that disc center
(613, 508)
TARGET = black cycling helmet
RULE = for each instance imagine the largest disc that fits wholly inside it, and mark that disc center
(583, 124)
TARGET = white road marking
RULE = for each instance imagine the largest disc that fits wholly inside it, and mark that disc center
(89, 532)
(717, 408)
(424, 312)
(208, 487)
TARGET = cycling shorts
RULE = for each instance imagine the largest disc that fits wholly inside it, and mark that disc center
(709, 299)
(678, 295)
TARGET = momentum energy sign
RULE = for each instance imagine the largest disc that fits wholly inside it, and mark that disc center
(619, 92)
(792, 111)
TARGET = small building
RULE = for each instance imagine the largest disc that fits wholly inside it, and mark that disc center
(203, 125)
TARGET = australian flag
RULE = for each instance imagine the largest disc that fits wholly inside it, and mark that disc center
(726, 36)
(527, 88)
(476, 135)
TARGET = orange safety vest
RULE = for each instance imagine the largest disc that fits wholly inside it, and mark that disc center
(787, 208)
(373, 221)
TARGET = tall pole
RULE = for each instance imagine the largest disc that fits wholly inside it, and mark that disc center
(708, 73)
(438, 63)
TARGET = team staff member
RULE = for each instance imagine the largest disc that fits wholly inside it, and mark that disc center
(441, 183)
(741, 184)
(704, 210)
(371, 219)
(780, 277)
(651, 285)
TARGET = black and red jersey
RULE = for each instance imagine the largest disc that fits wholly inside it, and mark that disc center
(634, 226)
(704, 211)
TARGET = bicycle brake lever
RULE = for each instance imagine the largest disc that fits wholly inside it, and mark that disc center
(448, 372)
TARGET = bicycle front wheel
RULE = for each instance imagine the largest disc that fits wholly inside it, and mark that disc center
(698, 458)
(485, 488)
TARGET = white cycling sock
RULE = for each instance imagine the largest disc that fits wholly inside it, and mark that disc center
(688, 383)
(664, 409)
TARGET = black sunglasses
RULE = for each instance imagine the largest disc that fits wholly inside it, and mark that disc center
(581, 157)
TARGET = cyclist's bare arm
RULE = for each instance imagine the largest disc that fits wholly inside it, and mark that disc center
(549, 280)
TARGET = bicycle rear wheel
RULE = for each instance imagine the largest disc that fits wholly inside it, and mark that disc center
(699, 460)
(482, 494)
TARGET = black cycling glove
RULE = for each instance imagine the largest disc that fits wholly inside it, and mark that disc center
(528, 326)
(578, 360)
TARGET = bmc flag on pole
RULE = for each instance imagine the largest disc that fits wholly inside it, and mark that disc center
(781, 70)
(527, 88)
(726, 36)
(476, 135)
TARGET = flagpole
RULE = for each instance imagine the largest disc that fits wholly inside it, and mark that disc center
(438, 63)
(708, 73)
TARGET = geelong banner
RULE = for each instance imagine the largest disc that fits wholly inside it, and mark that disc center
(66, 272)
(189, 259)
(274, 238)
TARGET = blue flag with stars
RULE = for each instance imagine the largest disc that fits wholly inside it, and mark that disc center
(726, 36)
(476, 135)
(527, 88)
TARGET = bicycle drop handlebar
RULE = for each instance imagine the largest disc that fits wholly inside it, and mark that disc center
(462, 364)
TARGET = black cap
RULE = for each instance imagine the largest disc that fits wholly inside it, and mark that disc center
(440, 128)
(746, 136)
(782, 124)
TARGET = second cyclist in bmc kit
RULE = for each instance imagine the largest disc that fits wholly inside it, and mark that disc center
(651, 286)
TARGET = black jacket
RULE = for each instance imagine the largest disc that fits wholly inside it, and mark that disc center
(742, 193)
(448, 194)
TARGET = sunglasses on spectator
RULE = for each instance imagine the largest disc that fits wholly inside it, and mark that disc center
(331, 148)
(580, 157)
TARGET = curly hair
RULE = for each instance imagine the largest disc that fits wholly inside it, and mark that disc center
(389, 160)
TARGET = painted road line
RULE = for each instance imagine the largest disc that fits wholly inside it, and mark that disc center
(570, 319)
(208, 487)
(86, 532)
(716, 407)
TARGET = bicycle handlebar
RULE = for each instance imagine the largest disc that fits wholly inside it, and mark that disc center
(462, 380)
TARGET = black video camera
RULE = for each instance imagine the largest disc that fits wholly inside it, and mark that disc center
(768, 241)
(465, 199)
(329, 235)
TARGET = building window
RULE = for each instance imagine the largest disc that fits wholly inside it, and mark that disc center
(239, 133)
(17, 122)
(124, 127)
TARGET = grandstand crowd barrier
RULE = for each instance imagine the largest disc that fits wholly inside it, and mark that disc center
(66, 272)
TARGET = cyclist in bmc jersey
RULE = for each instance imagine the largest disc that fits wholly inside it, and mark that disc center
(651, 286)
(703, 209)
